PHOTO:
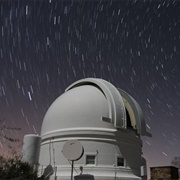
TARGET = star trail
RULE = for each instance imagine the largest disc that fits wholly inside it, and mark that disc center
(134, 44)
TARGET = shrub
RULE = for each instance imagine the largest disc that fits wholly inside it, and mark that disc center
(14, 169)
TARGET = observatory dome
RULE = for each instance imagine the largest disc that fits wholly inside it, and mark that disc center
(92, 103)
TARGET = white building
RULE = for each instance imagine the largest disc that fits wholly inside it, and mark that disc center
(108, 123)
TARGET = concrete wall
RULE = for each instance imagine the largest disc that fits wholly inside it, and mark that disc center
(106, 146)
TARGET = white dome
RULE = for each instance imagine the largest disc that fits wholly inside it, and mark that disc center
(80, 107)
(90, 103)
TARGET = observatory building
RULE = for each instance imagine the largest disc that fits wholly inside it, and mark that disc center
(103, 125)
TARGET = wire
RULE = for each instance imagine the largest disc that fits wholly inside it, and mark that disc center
(50, 152)
(53, 155)
(73, 166)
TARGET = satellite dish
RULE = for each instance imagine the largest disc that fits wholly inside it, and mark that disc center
(73, 150)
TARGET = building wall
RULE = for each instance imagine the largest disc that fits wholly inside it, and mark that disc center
(164, 173)
(106, 147)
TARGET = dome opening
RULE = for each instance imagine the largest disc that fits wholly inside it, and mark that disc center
(129, 124)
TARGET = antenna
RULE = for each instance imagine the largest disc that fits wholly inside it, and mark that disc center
(73, 151)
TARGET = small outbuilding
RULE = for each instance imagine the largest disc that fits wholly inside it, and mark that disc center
(164, 173)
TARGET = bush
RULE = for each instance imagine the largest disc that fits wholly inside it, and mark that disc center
(14, 169)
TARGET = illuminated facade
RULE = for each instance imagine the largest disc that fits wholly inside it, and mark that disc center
(107, 121)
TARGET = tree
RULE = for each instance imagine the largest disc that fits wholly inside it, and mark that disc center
(176, 162)
(4, 128)
(11, 167)
(14, 169)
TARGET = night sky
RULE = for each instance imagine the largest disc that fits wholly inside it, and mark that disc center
(47, 45)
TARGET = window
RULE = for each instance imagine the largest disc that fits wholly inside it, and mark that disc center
(90, 159)
(120, 161)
